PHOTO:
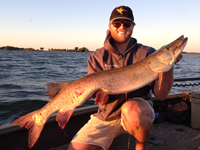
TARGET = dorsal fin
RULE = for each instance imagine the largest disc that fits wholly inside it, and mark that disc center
(54, 88)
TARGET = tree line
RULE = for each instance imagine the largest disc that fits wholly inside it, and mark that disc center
(76, 49)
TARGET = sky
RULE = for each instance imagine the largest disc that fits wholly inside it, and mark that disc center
(66, 24)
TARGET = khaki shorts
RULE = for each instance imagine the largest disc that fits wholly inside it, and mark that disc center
(102, 133)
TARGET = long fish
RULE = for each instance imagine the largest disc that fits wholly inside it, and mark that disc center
(68, 95)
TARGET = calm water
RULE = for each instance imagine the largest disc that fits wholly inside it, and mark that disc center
(23, 76)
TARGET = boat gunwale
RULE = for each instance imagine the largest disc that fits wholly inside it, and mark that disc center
(6, 129)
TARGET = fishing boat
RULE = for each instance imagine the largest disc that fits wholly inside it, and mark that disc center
(166, 134)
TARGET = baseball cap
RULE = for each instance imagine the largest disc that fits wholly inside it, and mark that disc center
(122, 12)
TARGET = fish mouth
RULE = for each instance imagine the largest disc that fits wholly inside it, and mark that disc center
(176, 47)
(179, 45)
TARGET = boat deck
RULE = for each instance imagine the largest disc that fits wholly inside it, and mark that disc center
(188, 139)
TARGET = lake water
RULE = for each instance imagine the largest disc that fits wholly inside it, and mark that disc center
(24, 74)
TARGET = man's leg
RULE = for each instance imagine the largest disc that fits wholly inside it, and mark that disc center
(137, 119)
(96, 134)
(82, 146)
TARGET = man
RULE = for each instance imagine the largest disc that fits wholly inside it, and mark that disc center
(121, 113)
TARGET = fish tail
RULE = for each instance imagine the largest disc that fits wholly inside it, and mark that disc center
(34, 128)
(54, 88)
(63, 117)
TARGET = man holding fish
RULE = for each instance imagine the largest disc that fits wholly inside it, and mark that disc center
(130, 112)
(120, 77)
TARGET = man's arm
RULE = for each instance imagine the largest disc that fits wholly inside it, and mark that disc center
(164, 82)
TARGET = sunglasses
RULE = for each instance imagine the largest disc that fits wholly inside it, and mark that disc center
(118, 23)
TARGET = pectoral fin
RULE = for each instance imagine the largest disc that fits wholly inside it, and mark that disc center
(101, 97)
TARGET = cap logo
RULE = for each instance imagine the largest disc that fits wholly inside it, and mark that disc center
(120, 10)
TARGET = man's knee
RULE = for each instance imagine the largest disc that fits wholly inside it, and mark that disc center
(136, 115)
(136, 107)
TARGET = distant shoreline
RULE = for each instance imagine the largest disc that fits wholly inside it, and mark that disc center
(76, 49)
(83, 49)
(190, 53)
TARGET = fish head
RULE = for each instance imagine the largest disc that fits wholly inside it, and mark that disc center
(166, 56)
(175, 48)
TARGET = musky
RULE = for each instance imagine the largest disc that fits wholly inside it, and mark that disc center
(66, 24)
